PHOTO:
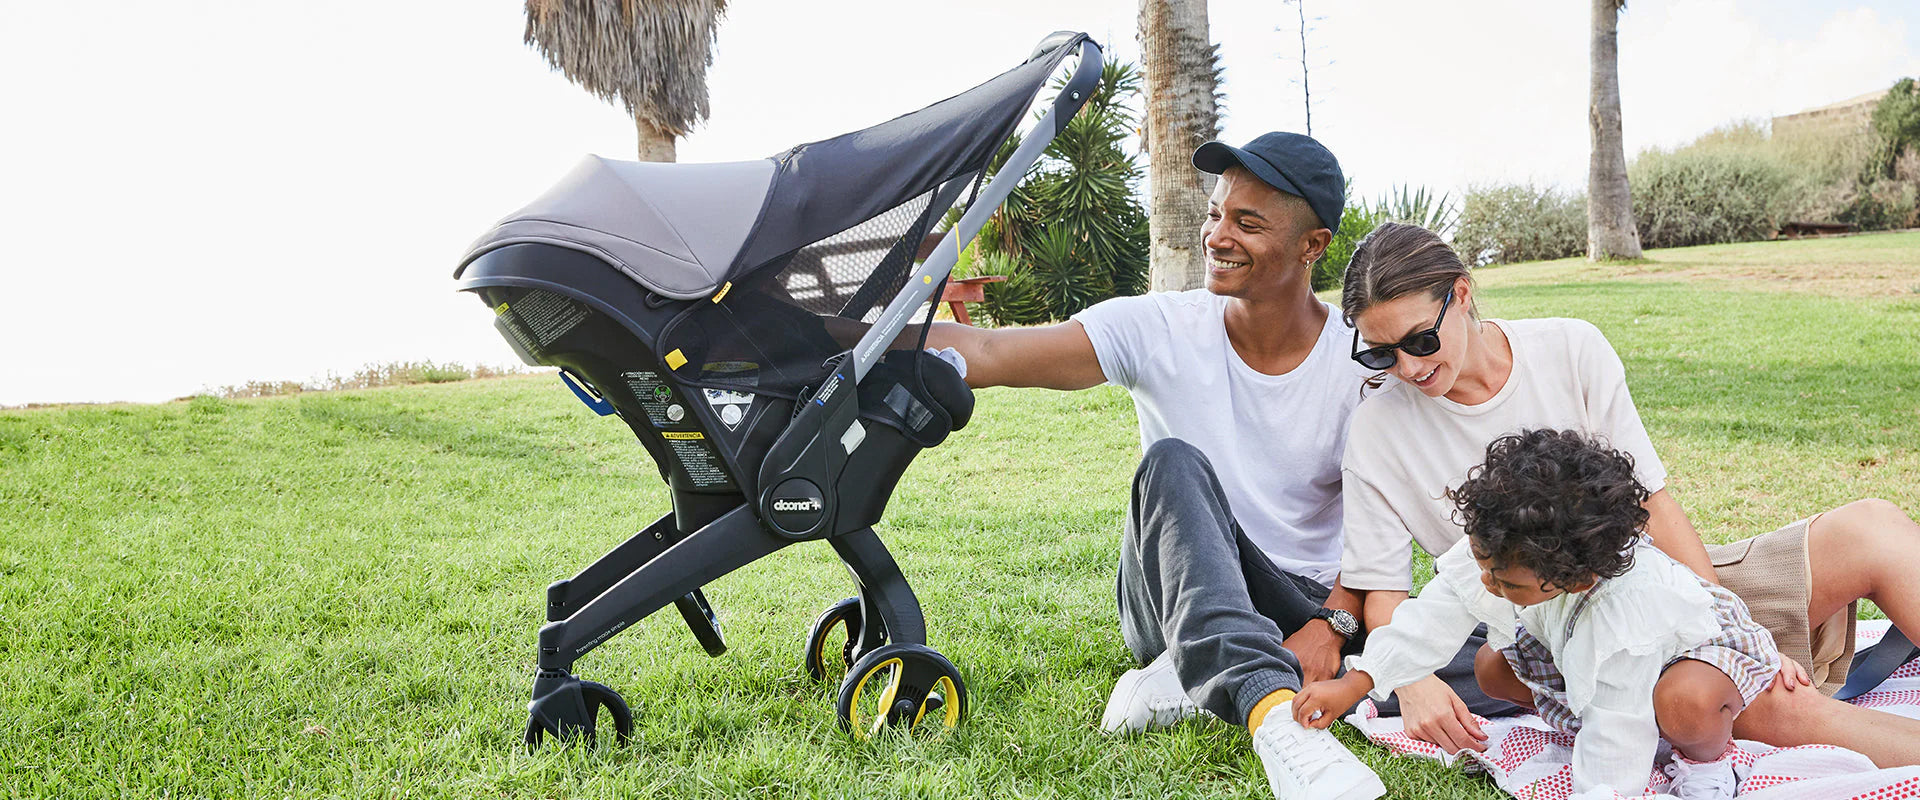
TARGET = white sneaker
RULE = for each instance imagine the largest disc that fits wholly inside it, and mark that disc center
(1704, 780)
(1309, 764)
(1147, 698)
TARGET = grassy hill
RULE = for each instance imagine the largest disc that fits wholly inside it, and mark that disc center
(336, 594)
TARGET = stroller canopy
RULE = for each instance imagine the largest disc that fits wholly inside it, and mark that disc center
(683, 230)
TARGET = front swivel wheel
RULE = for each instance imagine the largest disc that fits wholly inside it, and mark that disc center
(568, 708)
(835, 638)
(901, 686)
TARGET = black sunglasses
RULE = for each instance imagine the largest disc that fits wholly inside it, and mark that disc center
(1424, 343)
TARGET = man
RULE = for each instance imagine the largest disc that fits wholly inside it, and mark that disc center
(1243, 392)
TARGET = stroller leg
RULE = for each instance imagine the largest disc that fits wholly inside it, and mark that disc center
(567, 596)
(568, 707)
(728, 543)
(884, 593)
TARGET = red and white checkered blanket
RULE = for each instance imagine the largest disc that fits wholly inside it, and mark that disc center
(1530, 760)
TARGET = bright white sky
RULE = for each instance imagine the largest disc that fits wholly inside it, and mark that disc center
(202, 193)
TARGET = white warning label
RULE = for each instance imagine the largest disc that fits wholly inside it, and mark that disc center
(698, 459)
(548, 316)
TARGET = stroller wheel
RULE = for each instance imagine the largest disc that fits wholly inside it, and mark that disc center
(832, 640)
(568, 708)
(901, 686)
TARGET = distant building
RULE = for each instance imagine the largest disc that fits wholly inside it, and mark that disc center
(1851, 117)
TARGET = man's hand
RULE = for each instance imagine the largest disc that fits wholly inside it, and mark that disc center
(1318, 649)
(1320, 702)
(1433, 713)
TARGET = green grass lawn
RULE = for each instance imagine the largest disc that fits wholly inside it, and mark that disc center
(336, 594)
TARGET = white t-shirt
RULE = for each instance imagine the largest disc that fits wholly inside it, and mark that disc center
(1406, 450)
(1274, 440)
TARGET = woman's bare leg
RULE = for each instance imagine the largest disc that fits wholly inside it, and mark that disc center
(1785, 718)
(1867, 549)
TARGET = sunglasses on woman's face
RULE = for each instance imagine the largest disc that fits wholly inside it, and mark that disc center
(1424, 343)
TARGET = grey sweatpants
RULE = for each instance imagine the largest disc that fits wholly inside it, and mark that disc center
(1192, 583)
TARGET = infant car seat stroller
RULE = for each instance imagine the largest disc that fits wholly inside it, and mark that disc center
(706, 306)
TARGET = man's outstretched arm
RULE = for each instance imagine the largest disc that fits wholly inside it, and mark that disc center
(1056, 356)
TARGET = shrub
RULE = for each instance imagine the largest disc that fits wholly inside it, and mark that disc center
(1355, 224)
(1409, 204)
(1415, 205)
(1705, 195)
(1502, 224)
(1017, 301)
(1073, 233)
(1896, 126)
(393, 373)
(1883, 203)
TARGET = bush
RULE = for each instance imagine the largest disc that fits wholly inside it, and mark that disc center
(1896, 126)
(1706, 195)
(1355, 224)
(1413, 205)
(1882, 204)
(1520, 222)
(394, 373)
(1073, 233)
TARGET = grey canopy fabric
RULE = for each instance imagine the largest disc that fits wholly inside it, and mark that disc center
(682, 230)
(675, 228)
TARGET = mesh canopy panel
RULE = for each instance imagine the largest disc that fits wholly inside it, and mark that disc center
(853, 273)
(774, 332)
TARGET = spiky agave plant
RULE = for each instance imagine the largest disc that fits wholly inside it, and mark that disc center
(1074, 233)
(1415, 205)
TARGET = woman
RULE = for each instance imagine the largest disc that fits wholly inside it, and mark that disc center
(1458, 382)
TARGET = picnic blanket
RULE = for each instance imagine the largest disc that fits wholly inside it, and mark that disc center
(1532, 761)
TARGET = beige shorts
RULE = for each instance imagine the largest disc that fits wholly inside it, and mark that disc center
(1770, 574)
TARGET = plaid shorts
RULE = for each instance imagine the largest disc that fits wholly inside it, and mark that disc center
(1743, 650)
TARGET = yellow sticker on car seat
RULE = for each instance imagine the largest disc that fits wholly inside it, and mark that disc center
(676, 359)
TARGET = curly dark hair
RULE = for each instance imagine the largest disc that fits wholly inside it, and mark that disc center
(1556, 502)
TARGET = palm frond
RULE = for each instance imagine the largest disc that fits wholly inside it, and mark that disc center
(649, 56)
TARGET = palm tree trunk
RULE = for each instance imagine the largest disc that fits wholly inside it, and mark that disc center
(1610, 231)
(655, 144)
(1180, 117)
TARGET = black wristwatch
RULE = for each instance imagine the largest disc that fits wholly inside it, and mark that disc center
(1342, 622)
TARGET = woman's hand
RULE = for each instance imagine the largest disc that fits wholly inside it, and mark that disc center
(1319, 703)
(1433, 713)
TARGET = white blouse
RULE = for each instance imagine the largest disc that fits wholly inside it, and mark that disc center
(1611, 657)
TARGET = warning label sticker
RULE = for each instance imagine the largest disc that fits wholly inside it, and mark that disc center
(698, 459)
(656, 397)
(547, 316)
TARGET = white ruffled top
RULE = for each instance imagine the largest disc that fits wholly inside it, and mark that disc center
(1611, 656)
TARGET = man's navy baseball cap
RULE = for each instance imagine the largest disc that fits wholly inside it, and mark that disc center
(1290, 162)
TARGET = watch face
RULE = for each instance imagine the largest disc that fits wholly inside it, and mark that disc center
(1343, 623)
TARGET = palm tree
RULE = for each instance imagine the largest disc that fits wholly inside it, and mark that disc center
(1610, 231)
(648, 55)
(1181, 115)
